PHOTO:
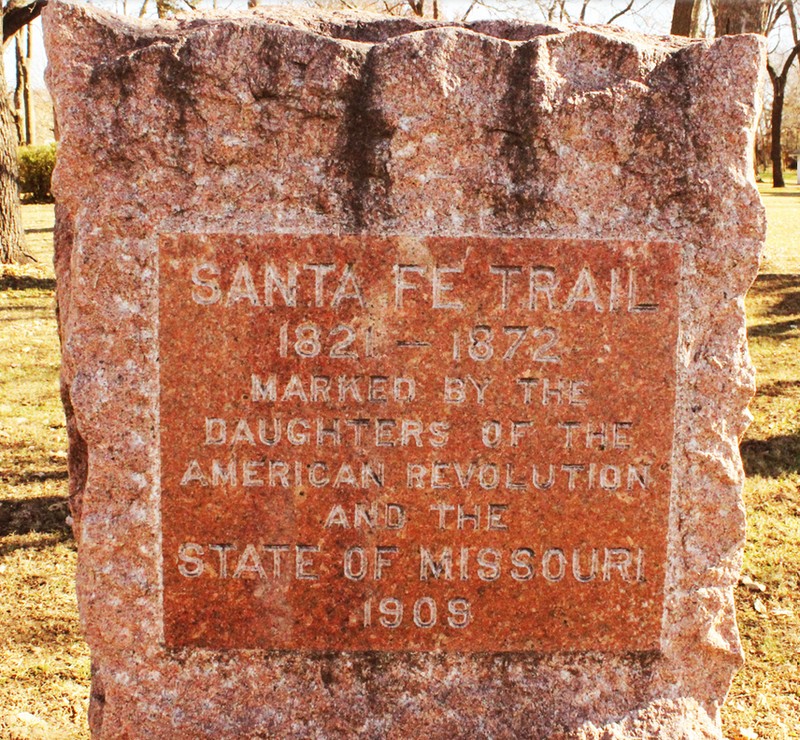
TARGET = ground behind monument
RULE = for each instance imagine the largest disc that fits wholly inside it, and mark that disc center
(44, 669)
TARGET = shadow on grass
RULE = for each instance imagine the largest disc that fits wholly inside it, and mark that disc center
(36, 476)
(769, 282)
(26, 282)
(47, 514)
(778, 389)
(779, 454)
(789, 304)
(773, 457)
(37, 541)
(785, 290)
(774, 329)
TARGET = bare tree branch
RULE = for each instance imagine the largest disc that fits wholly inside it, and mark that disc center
(621, 12)
(787, 65)
(19, 14)
(547, 11)
(774, 12)
(469, 10)
(778, 75)
(793, 18)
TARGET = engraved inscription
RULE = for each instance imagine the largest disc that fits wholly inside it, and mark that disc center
(417, 444)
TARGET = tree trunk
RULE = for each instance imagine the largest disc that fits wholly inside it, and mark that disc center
(30, 114)
(11, 233)
(778, 79)
(18, 121)
(685, 18)
(776, 121)
(739, 16)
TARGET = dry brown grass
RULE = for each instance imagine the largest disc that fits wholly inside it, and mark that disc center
(783, 227)
(44, 674)
(765, 696)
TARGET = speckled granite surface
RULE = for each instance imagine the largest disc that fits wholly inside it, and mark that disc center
(295, 123)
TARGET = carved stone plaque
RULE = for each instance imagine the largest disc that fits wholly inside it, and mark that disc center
(415, 444)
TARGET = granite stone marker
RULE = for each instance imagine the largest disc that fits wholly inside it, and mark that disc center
(386, 419)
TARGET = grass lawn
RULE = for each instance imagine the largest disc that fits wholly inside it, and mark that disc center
(44, 673)
(783, 225)
(765, 696)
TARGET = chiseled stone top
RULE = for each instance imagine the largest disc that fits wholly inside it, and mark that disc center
(231, 137)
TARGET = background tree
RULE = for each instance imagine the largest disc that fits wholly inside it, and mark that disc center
(16, 15)
(740, 16)
(18, 116)
(779, 65)
(417, 8)
(791, 116)
(165, 8)
(550, 11)
(686, 18)
(24, 112)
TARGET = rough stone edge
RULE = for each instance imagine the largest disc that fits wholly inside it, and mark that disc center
(742, 384)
